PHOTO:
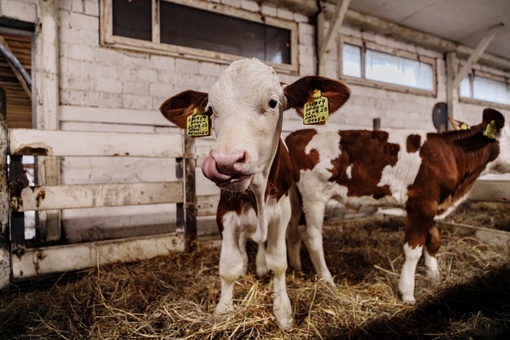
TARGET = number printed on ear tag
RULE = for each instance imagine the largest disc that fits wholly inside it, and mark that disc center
(198, 124)
(316, 111)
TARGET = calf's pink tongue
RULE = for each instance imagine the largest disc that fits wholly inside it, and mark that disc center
(210, 171)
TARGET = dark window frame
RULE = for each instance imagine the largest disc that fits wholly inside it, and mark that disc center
(155, 45)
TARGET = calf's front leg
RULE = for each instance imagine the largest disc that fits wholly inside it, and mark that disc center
(276, 259)
(231, 266)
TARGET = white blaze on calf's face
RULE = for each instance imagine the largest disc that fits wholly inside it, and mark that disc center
(247, 107)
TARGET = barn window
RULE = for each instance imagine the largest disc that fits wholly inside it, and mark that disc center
(485, 89)
(395, 70)
(199, 30)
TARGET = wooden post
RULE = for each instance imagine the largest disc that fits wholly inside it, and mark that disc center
(179, 174)
(190, 228)
(376, 122)
(50, 224)
(5, 253)
(452, 92)
(327, 41)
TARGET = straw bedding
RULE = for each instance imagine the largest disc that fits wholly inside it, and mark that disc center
(174, 297)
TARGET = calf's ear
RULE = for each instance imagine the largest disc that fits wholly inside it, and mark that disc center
(301, 92)
(177, 108)
(490, 115)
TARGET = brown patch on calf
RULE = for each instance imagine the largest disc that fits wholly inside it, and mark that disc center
(296, 143)
(413, 143)
(236, 202)
(280, 177)
(368, 152)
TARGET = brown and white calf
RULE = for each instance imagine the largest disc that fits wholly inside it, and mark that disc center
(427, 174)
(251, 166)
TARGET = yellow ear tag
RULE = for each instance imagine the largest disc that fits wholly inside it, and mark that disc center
(490, 130)
(464, 126)
(316, 111)
(198, 124)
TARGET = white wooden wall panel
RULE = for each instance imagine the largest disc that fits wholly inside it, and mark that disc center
(81, 126)
(79, 143)
(82, 225)
(78, 256)
(115, 116)
(76, 170)
(98, 195)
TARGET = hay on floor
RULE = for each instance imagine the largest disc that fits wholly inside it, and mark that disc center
(175, 296)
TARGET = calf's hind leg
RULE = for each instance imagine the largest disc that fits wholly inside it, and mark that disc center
(432, 245)
(312, 236)
(293, 234)
(419, 223)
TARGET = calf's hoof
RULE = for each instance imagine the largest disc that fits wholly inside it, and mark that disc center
(223, 308)
(433, 274)
(328, 280)
(262, 271)
(282, 310)
(408, 299)
(285, 324)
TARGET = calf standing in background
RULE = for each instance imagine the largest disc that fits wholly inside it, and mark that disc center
(251, 166)
(427, 174)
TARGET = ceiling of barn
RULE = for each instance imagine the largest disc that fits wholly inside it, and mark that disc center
(461, 21)
(444, 25)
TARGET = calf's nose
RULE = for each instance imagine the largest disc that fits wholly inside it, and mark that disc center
(230, 162)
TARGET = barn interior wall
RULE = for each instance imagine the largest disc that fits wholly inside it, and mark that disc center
(127, 85)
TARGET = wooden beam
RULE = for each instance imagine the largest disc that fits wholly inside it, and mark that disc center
(338, 18)
(80, 196)
(452, 92)
(49, 65)
(98, 144)
(50, 95)
(479, 50)
(38, 261)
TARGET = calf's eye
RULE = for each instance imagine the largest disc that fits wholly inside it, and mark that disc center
(272, 103)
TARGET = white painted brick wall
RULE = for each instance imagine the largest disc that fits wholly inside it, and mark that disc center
(24, 10)
(233, 3)
(250, 6)
(268, 10)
